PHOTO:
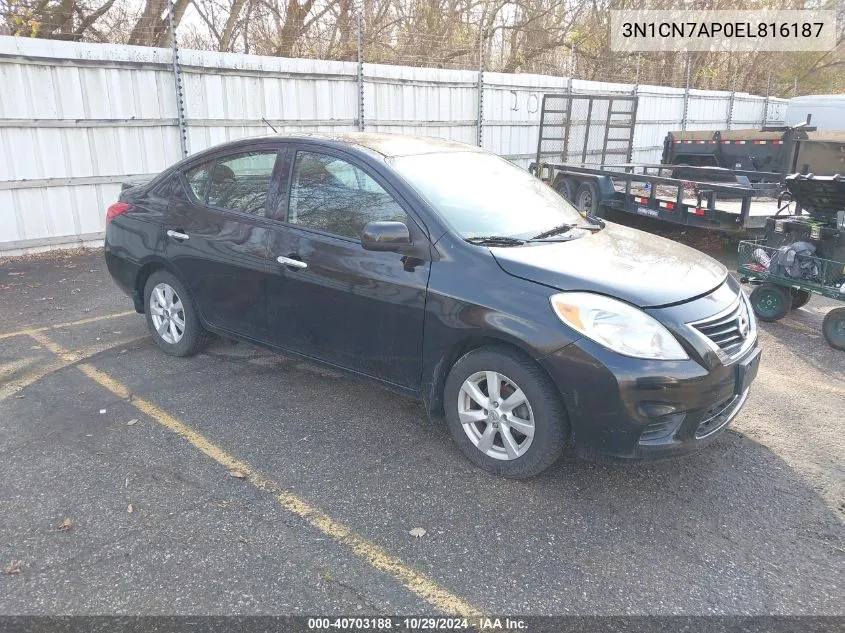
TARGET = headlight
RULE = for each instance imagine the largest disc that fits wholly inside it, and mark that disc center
(617, 326)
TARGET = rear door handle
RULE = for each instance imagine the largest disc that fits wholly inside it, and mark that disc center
(177, 235)
(293, 263)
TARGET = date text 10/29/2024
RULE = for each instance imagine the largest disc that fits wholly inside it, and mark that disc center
(386, 623)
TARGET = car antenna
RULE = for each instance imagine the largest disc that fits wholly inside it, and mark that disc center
(269, 125)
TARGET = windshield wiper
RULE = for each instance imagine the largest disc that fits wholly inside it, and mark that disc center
(564, 228)
(495, 240)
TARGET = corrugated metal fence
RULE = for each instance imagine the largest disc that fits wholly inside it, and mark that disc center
(78, 119)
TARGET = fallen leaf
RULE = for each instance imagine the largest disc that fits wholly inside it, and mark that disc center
(65, 525)
(12, 568)
(237, 474)
(35, 347)
(102, 411)
(417, 532)
(129, 509)
(132, 422)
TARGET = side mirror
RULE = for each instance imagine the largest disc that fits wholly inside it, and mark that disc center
(385, 236)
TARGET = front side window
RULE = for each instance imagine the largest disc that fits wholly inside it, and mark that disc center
(329, 194)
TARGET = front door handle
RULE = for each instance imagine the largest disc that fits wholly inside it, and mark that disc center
(293, 263)
(177, 235)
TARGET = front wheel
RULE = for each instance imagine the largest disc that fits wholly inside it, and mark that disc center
(504, 413)
(833, 328)
(770, 302)
(566, 187)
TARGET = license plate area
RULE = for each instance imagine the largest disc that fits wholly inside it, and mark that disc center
(746, 371)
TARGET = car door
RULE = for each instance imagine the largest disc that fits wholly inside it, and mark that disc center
(217, 236)
(329, 298)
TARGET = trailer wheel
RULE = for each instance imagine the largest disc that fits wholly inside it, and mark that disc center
(587, 198)
(566, 187)
(833, 328)
(770, 302)
(800, 298)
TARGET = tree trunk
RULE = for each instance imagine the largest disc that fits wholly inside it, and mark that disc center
(146, 29)
(226, 36)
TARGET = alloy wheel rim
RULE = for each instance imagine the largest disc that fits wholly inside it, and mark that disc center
(495, 415)
(168, 313)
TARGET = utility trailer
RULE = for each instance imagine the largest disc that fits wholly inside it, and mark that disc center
(801, 254)
(585, 149)
(719, 204)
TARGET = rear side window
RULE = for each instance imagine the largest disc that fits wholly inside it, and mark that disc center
(241, 182)
(198, 179)
(237, 183)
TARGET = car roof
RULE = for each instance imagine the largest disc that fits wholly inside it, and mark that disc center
(386, 145)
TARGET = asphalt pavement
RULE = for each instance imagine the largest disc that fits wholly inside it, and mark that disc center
(241, 481)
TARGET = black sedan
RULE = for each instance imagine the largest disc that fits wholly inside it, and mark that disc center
(445, 272)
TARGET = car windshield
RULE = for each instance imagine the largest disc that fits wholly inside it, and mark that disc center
(483, 195)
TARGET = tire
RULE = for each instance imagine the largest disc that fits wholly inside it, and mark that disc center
(833, 328)
(566, 187)
(526, 454)
(587, 198)
(169, 288)
(800, 298)
(771, 302)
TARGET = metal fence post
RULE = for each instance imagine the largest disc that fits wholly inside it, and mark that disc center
(731, 103)
(479, 121)
(360, 22)
(177, 82)
(766, 102)
(686, 95)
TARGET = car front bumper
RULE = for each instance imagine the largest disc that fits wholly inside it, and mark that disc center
(622, 407)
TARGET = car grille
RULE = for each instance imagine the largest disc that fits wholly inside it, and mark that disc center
(725, 330)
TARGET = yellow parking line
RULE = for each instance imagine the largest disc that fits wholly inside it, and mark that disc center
(378, 558)
(67, 359)
(44, 328)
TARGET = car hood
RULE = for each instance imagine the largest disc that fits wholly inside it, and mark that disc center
(631, 265)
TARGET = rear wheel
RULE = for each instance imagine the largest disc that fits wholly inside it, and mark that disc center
(587, 198)
(171, 316)
(800, 298)
(504, 412)
(770, 302)
(833, 328)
